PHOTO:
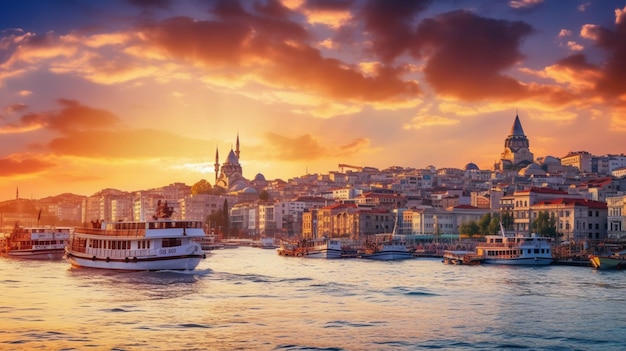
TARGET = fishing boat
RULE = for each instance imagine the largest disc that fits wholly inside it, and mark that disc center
(608, 262)
(390, 250)
(317, 248)
(461, 257)
(46, 242)
(157, 244)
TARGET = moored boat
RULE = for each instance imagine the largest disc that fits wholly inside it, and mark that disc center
(608, 262)
(47, 242)
(516, 250)
(318, 248)
(157, 244)
(461, 257)
(386, 251)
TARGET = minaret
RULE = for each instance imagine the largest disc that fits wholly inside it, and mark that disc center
(237, 146)
(17, 193)
(217, 164)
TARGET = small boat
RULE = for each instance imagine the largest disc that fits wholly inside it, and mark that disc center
(608, 262)
(317, 248)
(392, 250)
(46, 242)
(461, 257)
(157, 244)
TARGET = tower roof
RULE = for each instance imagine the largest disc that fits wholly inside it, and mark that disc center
(517, 129)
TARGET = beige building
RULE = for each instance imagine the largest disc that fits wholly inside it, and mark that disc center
(577, 219)
(578, 159)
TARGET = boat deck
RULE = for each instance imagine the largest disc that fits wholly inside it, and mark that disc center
(461, 257)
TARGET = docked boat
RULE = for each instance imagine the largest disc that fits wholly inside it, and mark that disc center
(386, 251)
(37, 242)
(516, 250)
(461, 257)
(322, 248)
(608, 262)
(157, 244)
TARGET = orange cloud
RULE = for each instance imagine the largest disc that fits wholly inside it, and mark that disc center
(307, 147)
(15, 165)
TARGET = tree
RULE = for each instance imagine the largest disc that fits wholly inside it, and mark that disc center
(545, 224)
(264, 195)
(201, 187)
(507, 220)
(494, 225)
(483, 223)
(470, 228)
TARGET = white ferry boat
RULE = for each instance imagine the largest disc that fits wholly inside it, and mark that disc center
(158, 244)
(516, 250)
(37, 242)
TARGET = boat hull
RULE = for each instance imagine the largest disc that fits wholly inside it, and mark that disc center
(607, 262)
(155, 263)
(322, 253)
(51, 254)
(530, 261)
(388, 255)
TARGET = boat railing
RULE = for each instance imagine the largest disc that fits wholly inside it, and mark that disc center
(137, 233)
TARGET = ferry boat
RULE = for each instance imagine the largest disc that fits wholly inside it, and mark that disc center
(37, 242)
(157, 244)
(608, 262)
(516, 250)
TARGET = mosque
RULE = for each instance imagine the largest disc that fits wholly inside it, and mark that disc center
(229, 176)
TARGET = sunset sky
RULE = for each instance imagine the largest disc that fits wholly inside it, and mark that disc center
(139, 94)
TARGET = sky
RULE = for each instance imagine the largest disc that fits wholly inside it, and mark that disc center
(139, 94)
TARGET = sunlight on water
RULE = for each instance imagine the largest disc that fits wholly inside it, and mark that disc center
(249, 298)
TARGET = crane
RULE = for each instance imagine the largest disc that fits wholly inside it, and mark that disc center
(343, 165)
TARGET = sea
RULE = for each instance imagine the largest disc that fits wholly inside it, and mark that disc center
(253, 299)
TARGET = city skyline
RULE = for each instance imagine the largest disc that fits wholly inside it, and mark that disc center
(137, 95)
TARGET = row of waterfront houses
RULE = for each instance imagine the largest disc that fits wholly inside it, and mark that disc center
(374, 202)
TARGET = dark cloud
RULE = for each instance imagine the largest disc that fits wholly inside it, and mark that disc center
(274, 50)
(328, 5)
(162, 4)
(613, 42)
(467, 54)
(391, 24)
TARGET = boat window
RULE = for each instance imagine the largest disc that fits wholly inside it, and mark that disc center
(171, 242)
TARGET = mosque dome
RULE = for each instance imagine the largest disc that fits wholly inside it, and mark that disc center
(259, 177)
(249, 190)
(471, 167)
(232, 158)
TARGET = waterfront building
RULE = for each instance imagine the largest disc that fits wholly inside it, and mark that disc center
(99, 205)
(577, 219)
(616, 216)
(197, 207)
(516, 154)
(524, 199)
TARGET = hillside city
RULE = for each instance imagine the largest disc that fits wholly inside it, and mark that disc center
(583, 194)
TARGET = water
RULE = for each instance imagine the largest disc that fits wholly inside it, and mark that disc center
(253, 299)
